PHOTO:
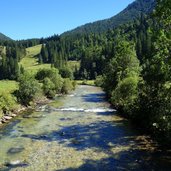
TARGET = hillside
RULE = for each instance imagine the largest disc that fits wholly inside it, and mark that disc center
(30, 61)
(127, 15)
(3, 37)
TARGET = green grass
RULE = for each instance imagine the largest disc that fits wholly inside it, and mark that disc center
(30, 61)
(56, 103)
(73, 64)
(33, 69)
(33, 51)
(85, 82)
(8, 86)
(2, 50)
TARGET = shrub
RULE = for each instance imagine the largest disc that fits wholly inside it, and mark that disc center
(66, 73)
(7, 102)
(67, 86)
(53, 76)
(49, 88)
(99, 81)
(125, 94)
(46, 73)
(28, 88)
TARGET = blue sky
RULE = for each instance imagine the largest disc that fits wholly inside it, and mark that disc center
(22, 19)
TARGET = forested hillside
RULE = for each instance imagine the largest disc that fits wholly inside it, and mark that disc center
(3, 37)
(134, 10)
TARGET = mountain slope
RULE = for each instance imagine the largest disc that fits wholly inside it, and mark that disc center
(133, 10)
(3, 37)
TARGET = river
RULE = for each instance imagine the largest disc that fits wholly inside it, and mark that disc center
(78, 132)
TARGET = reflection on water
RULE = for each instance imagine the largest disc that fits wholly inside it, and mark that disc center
(83, 134)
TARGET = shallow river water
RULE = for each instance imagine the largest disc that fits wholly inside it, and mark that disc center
(78, 132)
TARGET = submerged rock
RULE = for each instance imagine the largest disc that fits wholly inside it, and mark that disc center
(75, 142)
(26, 116)
(16, 163)
(15, 150)
(13, 115)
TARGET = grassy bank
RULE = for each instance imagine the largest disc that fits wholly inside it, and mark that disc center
(8, 86)
(85, 82)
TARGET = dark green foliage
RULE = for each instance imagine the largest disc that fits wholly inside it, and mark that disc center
(99, 81)
(123, 64)
(10, 54)
(66, 73)
(52, 52)
(46, 73)
(9, 63)
(122, 77)
(163, 11)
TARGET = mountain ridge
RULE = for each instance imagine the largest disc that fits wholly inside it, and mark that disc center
(4, 37)
(131, 12)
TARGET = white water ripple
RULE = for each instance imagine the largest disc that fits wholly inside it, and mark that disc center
(97, 110)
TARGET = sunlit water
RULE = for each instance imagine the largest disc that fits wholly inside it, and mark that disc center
(83, 134)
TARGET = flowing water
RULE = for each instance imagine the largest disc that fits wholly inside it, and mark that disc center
(78, 132)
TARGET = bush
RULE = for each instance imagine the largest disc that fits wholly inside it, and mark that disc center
(58, 82)
(74, 84)
(66, 73)
(99, 81)
(125, 94)
(53, 76)
(28, 88)
(7, 103)
(46, 73)
(67, 86)
(49, 88)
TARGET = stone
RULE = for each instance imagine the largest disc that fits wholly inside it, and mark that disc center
(15, 150)
(13, 115)
(4, 121)
(16, 163)
(7, 117)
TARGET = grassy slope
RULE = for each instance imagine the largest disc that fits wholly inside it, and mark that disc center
(73, 64)
(30, 62)
(8, 86)
(2, 50)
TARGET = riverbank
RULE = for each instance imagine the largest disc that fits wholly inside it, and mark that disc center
(19, 110)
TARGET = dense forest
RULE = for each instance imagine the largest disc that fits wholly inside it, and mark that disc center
(130, 60)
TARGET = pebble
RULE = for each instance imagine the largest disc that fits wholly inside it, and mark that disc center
(13, 115)
(7, 117)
